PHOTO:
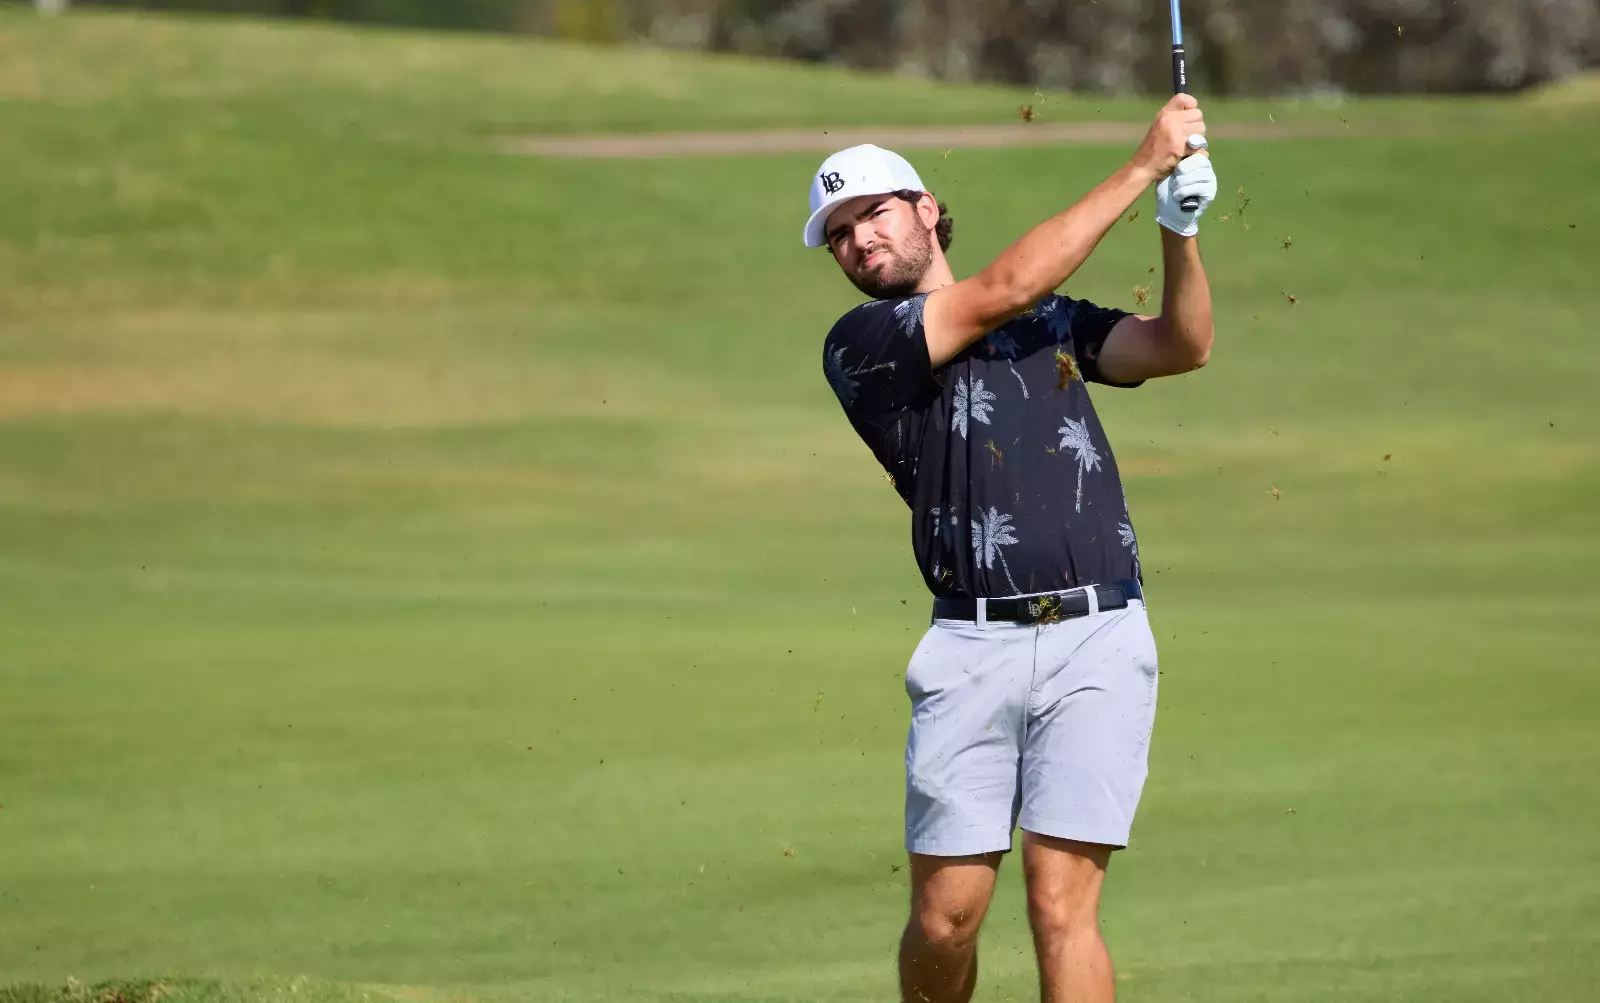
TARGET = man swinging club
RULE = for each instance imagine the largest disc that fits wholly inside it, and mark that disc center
(1033, 692)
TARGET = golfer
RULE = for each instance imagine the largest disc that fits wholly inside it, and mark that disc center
(1033, 693)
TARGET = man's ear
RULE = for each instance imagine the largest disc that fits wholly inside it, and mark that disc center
(928, 210)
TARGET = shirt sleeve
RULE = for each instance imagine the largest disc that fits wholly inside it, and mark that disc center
(1091, 325)
(876, 357)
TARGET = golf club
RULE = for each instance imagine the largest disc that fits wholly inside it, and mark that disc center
(1180, 83)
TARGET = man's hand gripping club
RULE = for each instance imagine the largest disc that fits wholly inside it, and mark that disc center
(1174, 151)
(1046, 256)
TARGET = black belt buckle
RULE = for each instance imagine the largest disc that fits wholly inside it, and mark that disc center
(1043, 609)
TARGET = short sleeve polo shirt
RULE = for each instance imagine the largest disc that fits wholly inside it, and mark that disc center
(1011, 481)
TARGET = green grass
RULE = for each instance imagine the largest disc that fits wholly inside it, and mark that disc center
(261, 990)
(446, 575)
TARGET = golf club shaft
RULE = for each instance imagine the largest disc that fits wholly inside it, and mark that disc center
(1180, 82)
(1180, 75)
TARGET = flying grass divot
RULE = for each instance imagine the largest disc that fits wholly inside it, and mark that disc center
(1066, 369)
(1241, 203)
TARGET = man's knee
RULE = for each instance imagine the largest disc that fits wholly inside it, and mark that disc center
(949, 930)
(1058, 914)
(1064, 880)
(949, 897)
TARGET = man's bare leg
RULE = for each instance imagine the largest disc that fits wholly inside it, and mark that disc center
(1064, 880)
(939, 950)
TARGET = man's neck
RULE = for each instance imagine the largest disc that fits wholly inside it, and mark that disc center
(938, 275)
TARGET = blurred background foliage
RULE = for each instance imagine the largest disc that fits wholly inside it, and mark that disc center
(1105, 46)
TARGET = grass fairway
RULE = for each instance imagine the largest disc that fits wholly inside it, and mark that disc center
(436, 575)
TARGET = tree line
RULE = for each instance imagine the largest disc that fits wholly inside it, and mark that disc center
(1108, 46)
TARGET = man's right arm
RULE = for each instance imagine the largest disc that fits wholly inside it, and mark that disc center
(1046, 256)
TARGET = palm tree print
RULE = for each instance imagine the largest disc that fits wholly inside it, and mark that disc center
(1057, 312)
(908, 313)
(844, 387)
(1001, 343)
(971, 400)
(989, 534)
(843, 379)
(1125, 530)
(1075, 436)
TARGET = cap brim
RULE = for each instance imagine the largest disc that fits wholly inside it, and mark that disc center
(814, 225)
(814, 237)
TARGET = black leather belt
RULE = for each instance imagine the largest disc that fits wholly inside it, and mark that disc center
(1044, 608)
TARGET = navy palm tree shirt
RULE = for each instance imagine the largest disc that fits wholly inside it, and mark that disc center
(1011, 482)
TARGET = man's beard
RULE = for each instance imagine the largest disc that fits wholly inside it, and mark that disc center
(901, 275)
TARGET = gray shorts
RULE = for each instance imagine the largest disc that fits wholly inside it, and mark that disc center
(1043, 726)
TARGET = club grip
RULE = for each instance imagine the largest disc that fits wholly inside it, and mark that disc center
(1180, 85)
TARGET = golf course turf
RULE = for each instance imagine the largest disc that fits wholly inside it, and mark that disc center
(431, 573)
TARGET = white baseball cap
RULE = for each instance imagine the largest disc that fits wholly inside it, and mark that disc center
(848, 174)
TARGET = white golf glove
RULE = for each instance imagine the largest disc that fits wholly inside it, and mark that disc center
(1194, 176)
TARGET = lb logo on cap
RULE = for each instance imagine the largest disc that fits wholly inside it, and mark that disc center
(855, 172)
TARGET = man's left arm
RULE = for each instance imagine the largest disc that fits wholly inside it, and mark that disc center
(1179, 341)
(1141, 347)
